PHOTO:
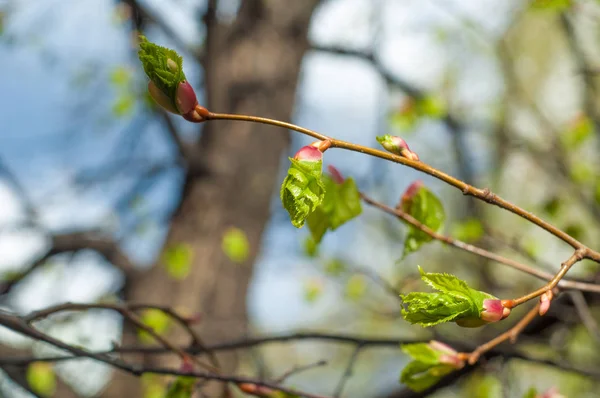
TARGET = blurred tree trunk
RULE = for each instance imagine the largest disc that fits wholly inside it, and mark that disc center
(251, 66)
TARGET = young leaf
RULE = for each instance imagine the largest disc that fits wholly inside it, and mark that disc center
(41, 378)
(456, 302)
(157, 321)
(429, 309)
(164, 67)
(431, 361)
(423, 205)
(178, 260)
(341, 203)
(235, 245)
(182, 387)
(302, 190)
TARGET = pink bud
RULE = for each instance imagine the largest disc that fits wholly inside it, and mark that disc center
(397, 145)
(336, 176)
(187, 366)
(448, 356)
(410, 193)
(309, 153)
(545, 301)
(493, 311)
(186, 98)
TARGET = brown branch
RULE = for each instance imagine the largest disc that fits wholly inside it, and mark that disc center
(510, 334)
(339, 389)
(482, 194)
(451, 122)
(577, 256)
(72, 242)
(567, 284)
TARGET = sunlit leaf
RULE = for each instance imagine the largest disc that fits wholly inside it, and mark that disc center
(313, 288)
(531, 393)
(311, 248)
(432, 106)
(426, 208)
(456, 301)
(178, 260)
(553, 5)
(120, 76)
(235, 245)
(340, 204)
(356, 287)
(578, 132)
(157, 320)
(124, 105)
(41, 378)
(182, 387)
(164, 67)
(335, 267)
(470, 230)
(302, 190)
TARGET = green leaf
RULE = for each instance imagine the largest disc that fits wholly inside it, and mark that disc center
(470, 230)
(427, 367)
(429, 309)
(157, 321)
(313, 290)
(120, 76)
(421, 352)
(311, 248)
(419, 376)
(124, 104)
(340, 204)
(531, 393)
(427, 209)
(578, 131)
(178, 260)
(455, 302)
(356, 287)
(335, 267)
(235, 245)
(553, 5)
(163, 66)
(182, 387)
(302, 190)
(41, 378)
(431, 106)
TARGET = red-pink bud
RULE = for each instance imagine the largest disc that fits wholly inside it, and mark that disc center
(187, 366)
(397, 145)
(186, 98)
(410, 193)
(493, 311)
(545, 301)
(309, 153)
(336, 176)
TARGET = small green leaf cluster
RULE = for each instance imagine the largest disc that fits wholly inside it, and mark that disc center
(324, 202)
(425, 207)
(340, 204)
(431, 361)
(163, 66)
(455, 301)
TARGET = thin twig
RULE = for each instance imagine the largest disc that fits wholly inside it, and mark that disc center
(567, 284)
(347, 372)
(482, 194)
(510, 334)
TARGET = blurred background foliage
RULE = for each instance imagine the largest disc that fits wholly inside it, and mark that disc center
(500, 94)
